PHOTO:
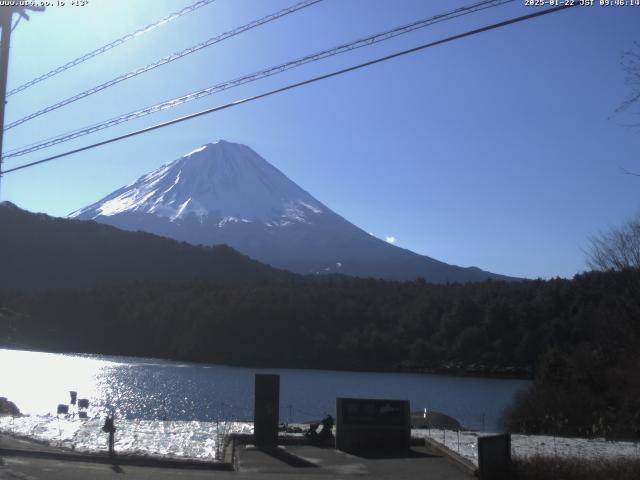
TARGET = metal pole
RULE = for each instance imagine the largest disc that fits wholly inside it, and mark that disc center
(6, 15)
(6, 18)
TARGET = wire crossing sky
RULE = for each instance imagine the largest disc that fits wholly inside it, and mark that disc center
(252, 77)
(110, 45)
(503, 150)
(165, 60)
(296, 85)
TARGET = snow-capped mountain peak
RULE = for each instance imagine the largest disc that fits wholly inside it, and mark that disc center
(222, 180)
(225, 193)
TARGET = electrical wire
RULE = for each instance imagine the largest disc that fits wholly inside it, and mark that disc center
(363, 42)
(16, 23)
(165, 60)
(296, 85)
(105, 48)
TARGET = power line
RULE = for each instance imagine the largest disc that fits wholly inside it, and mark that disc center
(109, 46)
(296, 85)
(14, 27)
(363, 42)
(6, 19)
(165, 60)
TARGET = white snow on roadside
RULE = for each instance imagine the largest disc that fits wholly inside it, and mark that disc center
(466, 444)
(199, 440)
(178, 439)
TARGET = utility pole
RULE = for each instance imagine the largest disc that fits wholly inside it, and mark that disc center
(6, 19)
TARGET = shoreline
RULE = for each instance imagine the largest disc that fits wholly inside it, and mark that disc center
(180, 441)
(19, 446)
(449, 369)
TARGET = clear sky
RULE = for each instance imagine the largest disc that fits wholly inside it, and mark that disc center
(500, 150)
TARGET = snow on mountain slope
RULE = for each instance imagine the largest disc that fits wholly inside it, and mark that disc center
(225, 180)
(224, 192)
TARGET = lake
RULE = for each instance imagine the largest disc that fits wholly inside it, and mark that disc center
(149, 389)
(193, 398)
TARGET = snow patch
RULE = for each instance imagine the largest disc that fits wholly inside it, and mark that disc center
(199, 149)
(181, 209)
(523, 446)
(310, 207)
(127, 201)
(173, 439)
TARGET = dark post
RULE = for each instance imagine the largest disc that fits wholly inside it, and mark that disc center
(494, 457)
(266, 410)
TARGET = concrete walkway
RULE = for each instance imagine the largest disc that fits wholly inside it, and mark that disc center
(303, 462)
(295, 462)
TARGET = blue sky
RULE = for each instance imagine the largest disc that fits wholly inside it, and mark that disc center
(501, 150)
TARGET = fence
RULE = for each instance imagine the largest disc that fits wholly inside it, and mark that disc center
(464, 442)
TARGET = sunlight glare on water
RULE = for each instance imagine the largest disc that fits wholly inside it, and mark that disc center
(153, 389)
(166, 407)
(142, 394)
(37, 382)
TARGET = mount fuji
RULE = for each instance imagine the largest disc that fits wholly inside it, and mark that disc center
(225, 193)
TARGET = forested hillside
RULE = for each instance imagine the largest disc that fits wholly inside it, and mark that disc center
(38, 251)
(490, 327)
(580, 336)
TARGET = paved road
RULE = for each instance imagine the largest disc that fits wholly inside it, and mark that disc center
(295, 462)
(313, 462)
(22, 468)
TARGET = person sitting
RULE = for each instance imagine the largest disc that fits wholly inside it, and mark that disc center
(324, 433)
(313, 430)
(327, 427)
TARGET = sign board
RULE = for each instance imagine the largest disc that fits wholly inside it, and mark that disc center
(494, 457)
(371, 425)
(266, 410)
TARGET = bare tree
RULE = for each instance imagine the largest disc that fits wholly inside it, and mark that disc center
(616, 249)
(630, 63)
(631, 66)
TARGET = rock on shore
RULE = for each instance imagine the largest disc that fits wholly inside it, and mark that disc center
(8, 408)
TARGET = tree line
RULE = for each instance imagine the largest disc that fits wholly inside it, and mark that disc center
(579, 338)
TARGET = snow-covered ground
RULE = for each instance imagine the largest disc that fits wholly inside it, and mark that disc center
(179, 439)
(466, 444)
(202, 440)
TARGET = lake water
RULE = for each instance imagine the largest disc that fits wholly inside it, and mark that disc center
(194, 398)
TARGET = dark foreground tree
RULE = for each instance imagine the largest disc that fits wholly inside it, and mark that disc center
(589, 386)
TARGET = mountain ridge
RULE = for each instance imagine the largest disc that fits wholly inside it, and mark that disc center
(225, 193)
(38, 251)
